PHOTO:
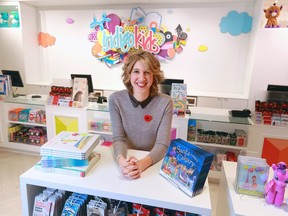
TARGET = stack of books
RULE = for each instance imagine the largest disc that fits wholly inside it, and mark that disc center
(186, 166)
(69, 153)
(251, 176)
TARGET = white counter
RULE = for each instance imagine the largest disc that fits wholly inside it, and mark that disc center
(231, 203)
(104, 180)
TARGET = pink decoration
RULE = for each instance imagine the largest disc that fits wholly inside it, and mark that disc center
(69, 20)
(115, 21)
(275, 189)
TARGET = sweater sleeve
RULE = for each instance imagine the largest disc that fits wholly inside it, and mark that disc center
(163, 135)
(118, 137)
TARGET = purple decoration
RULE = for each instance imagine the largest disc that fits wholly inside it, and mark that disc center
(69, 20)
(115, 21)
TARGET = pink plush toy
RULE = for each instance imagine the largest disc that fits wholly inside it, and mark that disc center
(275, 188)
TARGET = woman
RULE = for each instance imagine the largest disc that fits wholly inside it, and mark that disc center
(141, 116)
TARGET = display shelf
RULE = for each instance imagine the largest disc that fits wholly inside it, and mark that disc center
(105, 180)
(27, 123)
(97, 107)
(216, 115)
(219, 146)
(26, 101)
(20, 102)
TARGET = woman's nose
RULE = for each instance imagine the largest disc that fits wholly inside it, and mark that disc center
(142, 77)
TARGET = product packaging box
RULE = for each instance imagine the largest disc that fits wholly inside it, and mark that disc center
(186, 166)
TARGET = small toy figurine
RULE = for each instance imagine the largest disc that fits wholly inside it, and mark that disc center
(275, 189)
(271, 15)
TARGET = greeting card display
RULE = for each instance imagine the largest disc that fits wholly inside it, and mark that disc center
(186, 166)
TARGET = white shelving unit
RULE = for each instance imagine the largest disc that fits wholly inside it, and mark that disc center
(20, 102)
(219, 120)
(104, 180)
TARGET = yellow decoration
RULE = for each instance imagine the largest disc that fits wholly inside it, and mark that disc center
(202, 48)
(100, 36)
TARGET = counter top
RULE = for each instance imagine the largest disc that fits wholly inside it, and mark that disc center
(232, 203)
(105, 180)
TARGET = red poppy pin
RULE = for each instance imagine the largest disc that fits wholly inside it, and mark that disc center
(147, 118)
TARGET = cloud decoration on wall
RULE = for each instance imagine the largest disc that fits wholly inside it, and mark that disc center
(236, 23)
(45, 39)
(114, 38)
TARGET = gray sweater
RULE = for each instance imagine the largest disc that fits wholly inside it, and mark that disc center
(147, 128)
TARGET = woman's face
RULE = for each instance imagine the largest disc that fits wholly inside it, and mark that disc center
(141, 79)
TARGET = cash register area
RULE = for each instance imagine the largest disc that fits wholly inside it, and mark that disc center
(13, 164)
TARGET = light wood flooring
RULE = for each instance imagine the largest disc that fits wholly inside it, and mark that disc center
(12, 165)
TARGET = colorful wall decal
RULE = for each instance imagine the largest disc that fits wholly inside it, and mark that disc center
(236, 23)
(69, 21)
(45, 39)
(113, 38)
(202, 48)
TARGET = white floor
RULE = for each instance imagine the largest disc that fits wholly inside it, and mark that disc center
(12, 165)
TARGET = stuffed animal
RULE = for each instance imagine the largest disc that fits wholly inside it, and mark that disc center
(271, 15)
(275, 189)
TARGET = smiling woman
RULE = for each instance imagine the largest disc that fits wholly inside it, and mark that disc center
(141, 116)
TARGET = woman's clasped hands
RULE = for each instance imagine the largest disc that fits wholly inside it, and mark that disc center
(129, 167)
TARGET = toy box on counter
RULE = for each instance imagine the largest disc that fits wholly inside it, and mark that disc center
(186, 166)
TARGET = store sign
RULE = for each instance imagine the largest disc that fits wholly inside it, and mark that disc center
(114, 38)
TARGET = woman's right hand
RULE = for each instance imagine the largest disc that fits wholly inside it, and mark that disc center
(129, 167)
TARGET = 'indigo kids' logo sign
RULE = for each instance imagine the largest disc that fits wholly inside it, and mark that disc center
(127, 40)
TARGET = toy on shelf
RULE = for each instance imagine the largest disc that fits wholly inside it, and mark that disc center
(271, 14)
(275, 189)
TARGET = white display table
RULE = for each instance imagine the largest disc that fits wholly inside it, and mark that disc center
(104, 180)
(231, 203)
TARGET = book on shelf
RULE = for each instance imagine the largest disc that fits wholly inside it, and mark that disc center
(80, 92)
(179, 97)
(71, 145)
(251, 176)
(186, 166)
(5, 85)
(72, 170)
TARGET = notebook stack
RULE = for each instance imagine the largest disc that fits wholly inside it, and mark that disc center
(69, 153)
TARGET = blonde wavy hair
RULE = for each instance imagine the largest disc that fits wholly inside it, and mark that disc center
(153, 66)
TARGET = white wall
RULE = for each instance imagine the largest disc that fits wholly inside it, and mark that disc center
(269, 66)
(221, 71)
(270, 63)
